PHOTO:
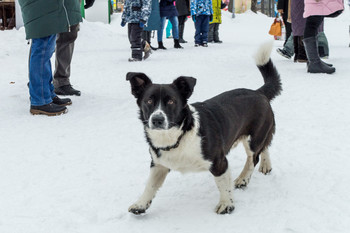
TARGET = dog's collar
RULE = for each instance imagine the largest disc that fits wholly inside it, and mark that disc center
(168, 148)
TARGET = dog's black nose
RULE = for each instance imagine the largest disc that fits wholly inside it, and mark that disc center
(158, 121)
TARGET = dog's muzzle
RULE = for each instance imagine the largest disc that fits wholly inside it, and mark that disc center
(157, 121)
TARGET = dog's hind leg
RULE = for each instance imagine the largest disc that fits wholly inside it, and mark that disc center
(265, 162)
(156, 179)
(244, 178)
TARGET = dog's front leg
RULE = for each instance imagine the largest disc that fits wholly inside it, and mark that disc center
(156, 178)
(225, 186)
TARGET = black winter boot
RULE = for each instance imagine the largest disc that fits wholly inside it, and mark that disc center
(61, 102)
(315, 64)
(160, 45)
(177, 44)
(66, 90)
(48, 109)
(181, 33)
(296, 50)
(302, 58)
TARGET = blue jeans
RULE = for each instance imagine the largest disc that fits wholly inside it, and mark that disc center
(202, 28)
(174, 22)
(40, 73)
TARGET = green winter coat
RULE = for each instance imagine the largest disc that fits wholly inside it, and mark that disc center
(217, 11)
(47, 17)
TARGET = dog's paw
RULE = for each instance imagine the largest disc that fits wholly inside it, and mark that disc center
(265, 167)
(225, 207)
(241, 182)
(139, 208)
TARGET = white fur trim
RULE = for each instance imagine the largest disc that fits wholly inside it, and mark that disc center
(263, 54)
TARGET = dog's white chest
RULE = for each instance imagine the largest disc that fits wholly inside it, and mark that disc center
(185, 158)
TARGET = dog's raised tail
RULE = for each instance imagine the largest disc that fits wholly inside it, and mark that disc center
(272, 86)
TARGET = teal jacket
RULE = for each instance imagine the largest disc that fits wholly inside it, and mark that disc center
(47, 17)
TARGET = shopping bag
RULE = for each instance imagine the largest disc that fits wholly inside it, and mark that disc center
(276, 28)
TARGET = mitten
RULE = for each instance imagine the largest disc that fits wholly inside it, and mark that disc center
(194, 18)
(123, 23)
(89, 3)
(142, 23)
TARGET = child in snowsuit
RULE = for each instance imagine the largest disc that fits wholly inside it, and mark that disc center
(213, 35)
(136, 14)
(202, 14)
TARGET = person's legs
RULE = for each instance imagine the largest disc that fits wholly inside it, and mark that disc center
(322, 44)
(160, 33)
(289, 45)
(211, 33)
(182, 19)
(175, 26)
(315, 65)
(288, 28)
(216, 33)
(42, 97)
(311, 26)
(288, 49)
(301, 50)
(168, 28)
(40, 73)
(197, 35)
(135, 41)
(64, 52)
(205, 29)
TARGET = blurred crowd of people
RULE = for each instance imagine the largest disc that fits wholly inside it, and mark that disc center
(305, 37)
(54, 27)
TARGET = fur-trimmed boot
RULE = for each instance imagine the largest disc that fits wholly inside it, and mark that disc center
(315, 65)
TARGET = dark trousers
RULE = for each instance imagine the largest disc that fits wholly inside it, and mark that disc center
(64, 53)
(146, 36)
(213, 34)
(288, 27)
(134, 34)
(182, 19)
(312, 24)
(202, 28)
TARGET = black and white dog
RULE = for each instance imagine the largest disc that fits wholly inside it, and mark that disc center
(197, 137)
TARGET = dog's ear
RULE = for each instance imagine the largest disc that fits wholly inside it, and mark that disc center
(185, 85)
(138, 81)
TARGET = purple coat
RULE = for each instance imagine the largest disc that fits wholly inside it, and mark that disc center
(298, 21)
(322, 7)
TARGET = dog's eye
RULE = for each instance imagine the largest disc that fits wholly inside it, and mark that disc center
(170, 102)
(150, 101)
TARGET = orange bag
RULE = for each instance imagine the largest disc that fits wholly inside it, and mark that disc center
(276, 28)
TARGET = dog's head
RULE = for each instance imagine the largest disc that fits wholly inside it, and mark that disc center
(161, 105)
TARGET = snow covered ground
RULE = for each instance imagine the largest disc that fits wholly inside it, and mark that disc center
(79, 172)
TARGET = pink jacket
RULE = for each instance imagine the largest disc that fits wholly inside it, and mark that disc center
(322, 7)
